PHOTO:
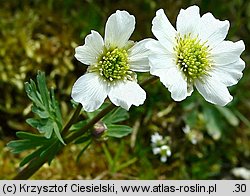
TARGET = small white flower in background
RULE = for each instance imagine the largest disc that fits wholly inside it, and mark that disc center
(165, 152)
(193, 136)
(186, 129)
(159, 146)
(156, 150)
(112, 63)
(156, 138)
(195, 55)
(241, 172)
(189, 134)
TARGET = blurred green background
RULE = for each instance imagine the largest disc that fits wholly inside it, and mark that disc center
(42, 34)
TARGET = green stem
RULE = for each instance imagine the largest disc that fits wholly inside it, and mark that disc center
(72, 119)
(30, 169)
(94, 120)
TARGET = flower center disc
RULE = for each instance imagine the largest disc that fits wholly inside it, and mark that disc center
(192, 57)
(113, 65)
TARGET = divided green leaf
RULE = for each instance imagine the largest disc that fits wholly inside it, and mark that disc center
(42, 146)
(48, 120)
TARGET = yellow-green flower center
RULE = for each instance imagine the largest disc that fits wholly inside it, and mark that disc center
(113, 65)
(192, 57)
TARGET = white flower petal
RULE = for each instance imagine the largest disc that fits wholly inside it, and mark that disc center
(211, 30)
(163, 158)
(156, 138)
(161, 61)
(229, 74)
(227, 52)
(169, 153)
(190, 89)
(186, 129)
(156, 150)
(127, 93)
(172, 78)
(187, 20)
(90, 91)
(159, 58)
(91, 50)
(163, 30)
(138, 56)
(156, 47)
(178, 86)
(241, 172)
(119, 28)
(213, 90)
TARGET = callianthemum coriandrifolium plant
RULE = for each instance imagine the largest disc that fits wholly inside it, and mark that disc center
(48, 122)
(193, 54)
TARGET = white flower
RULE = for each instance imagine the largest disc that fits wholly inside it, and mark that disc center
(165, 152)
(163, 158)
(195, 55)
(112, 63)
(241, 172)
(156, 150)
(159, 146)
(156, 138)
(186, 129)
